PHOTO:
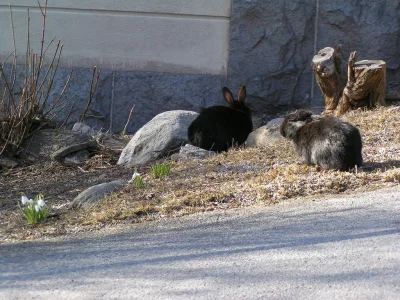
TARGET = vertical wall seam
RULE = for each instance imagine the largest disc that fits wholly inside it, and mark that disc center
(315, 48)
(229, 47)
(110, 129)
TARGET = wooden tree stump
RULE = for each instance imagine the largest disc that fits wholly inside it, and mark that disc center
(366, 85)
(330, 73)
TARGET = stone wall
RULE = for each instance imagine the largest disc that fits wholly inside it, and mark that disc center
(272, 44)
(150, 92)
(370, 27)
(270, 50)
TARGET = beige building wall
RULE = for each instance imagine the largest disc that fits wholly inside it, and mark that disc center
(178, 36)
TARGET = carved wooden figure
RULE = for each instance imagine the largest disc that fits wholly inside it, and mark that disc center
(330, 73)
(366, 85)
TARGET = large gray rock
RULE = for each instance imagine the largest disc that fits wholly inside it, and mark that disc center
(162, 136)
(96, 193)
(56, 143)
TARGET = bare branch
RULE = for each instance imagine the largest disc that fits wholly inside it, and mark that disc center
(8, 56)
(14, 64)
(44, 14)
(67, 116)
(60, 95)
(93, 87)
(40, 6)
(28, 48)
(129, 118)
(3, 75)
(49, 70)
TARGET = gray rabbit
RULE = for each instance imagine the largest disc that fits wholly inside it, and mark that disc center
(219, 127)
(325, 141)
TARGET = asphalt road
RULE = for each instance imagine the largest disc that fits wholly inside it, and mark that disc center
(338, 248)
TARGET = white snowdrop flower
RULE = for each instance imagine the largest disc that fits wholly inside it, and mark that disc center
(24, 200)
(135, 175)
(37, 207)
(41, 203)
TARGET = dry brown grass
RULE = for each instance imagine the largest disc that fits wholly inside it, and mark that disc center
(238, 178)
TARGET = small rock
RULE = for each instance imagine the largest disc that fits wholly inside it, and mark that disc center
(264, 136)
(277, 122)
(44, 143)
(8, 162)
(189, 152)
(82, 128)
(77, 158)
(61, 153)
(396, 108)
(96, 193)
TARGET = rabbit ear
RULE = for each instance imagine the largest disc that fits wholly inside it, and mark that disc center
(228, 95)
(242, 93)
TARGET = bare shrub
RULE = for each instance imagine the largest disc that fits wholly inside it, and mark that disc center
(23, 112)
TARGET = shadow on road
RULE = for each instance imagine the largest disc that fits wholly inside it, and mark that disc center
(162, 247)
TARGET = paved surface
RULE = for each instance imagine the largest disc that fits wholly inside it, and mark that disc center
(340, 248)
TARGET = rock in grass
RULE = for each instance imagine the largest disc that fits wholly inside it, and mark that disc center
(96, 193)
(275, 122)
(189, 151)
(46, 144)
(8, 162)
(82, 128)
(160, 137)
(264, 136)
(63, 152)
(77, 158)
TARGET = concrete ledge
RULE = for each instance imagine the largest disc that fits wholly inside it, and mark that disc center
(220, 8)
(125, 42)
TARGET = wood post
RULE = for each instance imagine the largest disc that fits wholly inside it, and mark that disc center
(330, 73)
(365, 87)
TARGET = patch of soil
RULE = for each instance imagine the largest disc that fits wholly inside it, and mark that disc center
(59, 183)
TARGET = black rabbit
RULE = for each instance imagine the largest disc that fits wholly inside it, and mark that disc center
(219, 127)
(325, 141)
